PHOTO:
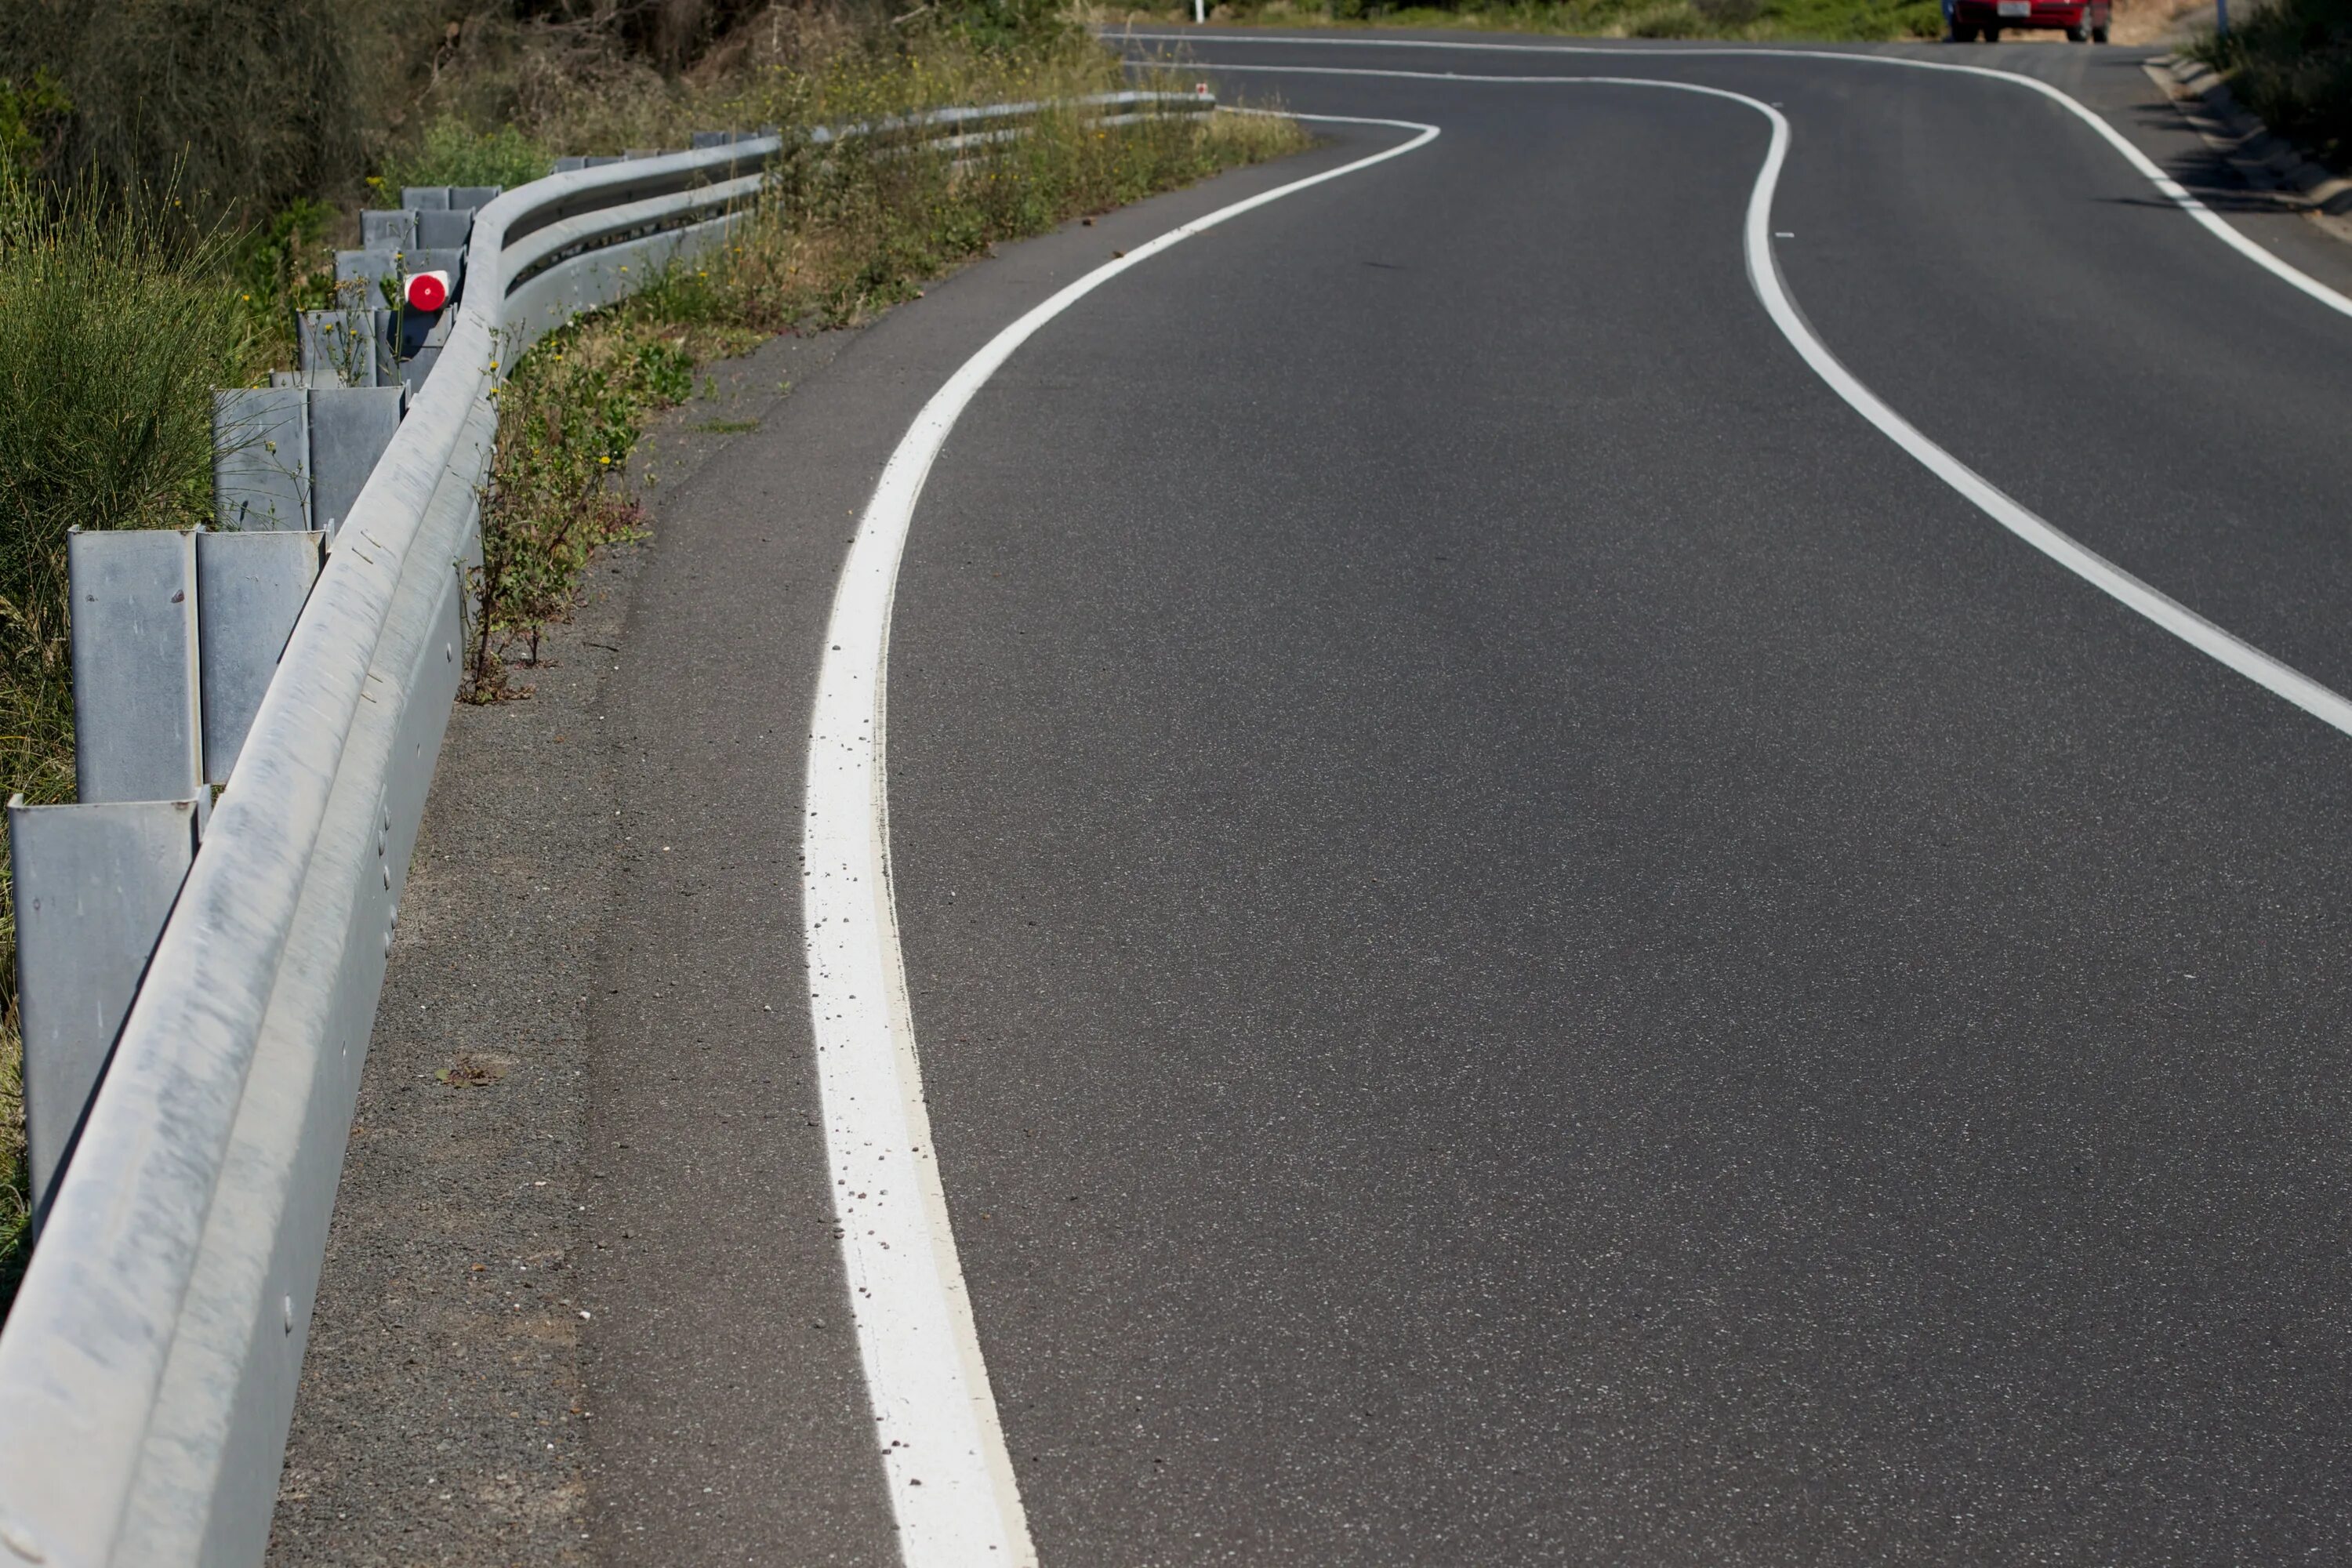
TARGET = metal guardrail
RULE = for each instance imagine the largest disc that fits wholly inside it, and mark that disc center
(149, 1367)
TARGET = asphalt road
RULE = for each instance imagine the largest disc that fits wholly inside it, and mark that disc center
(1529, 945)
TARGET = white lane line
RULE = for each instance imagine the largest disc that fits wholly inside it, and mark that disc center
(950, 1479)
(1764, 276)
(2173, 190)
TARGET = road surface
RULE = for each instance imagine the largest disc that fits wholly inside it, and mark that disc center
(1531, 939)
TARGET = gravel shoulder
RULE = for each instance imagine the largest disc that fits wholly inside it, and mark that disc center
(443, 1413)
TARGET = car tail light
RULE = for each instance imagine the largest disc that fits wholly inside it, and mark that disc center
(426, 290)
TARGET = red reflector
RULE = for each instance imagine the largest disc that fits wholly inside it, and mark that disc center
(428, 290)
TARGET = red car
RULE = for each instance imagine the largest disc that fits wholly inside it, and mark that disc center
(2083, 21)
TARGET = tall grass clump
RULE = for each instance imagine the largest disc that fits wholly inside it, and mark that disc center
(115, 321)
(120, 322)
(2291, 61)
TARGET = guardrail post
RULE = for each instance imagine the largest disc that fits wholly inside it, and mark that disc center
(387, 346)
(350, 428)
(261, 458)
(360, 275)
(250, 589)
(94, 884)
(339, 347)
(421, 335)
(392, 230)
(442, 230)
(134, 632)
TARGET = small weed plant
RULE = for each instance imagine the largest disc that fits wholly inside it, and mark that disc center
(569, 418)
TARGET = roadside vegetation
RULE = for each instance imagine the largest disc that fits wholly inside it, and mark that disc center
(1865, 20)
(153, 310)
(2290, 61)
(176, 174)
(844, 232)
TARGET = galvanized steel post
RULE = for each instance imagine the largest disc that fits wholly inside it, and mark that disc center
(93, 886)
(134, 635)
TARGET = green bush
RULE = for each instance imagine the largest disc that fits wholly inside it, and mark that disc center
(2291, 61)
(120, 325)
(251, 103)
(32, 117)
(1007, 24)
(453, 154)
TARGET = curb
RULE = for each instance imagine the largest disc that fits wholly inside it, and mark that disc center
(2268, 162)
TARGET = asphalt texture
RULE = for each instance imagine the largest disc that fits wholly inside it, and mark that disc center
(1533, 947)
(1528, 944)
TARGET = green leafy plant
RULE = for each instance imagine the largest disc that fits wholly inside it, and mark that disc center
(452, 153)
(282, 267)
(569, 418)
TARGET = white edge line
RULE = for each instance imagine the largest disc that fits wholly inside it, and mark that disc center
(949, 1476)
(1763, 274)
(2172, 189)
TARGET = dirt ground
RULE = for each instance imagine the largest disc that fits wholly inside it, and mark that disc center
(2160, 21)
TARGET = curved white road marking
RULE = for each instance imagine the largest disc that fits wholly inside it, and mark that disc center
(2173, 191)
(1764, 275)
(950, 1479)
(949, 1476)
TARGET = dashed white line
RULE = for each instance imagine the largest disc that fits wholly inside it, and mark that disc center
(950, 1479)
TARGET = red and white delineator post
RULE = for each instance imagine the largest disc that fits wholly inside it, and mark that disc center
(425, 290)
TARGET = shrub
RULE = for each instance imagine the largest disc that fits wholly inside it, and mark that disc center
(32, 117)
(120, 325)
(453, 153)
(2291, 61)
(252, 102)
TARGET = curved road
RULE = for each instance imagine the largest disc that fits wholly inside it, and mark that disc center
(1530, 943)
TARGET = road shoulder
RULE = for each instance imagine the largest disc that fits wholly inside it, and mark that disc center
(581, 1299)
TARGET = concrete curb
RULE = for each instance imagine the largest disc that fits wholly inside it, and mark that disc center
(2267, 161)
